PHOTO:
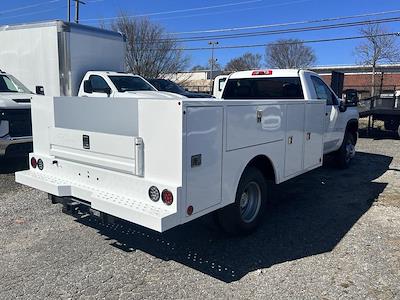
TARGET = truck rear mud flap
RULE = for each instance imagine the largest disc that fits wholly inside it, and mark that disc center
(132, 210)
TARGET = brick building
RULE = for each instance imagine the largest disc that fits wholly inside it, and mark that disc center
(387, 78)
(357, 77)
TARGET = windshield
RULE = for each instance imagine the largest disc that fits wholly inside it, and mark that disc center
(9, 84)
(130, 83)
(167, 86)
(172, 87)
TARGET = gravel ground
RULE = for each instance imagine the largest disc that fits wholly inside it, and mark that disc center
(331, 234)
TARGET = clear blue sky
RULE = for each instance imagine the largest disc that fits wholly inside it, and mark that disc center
(203, 15)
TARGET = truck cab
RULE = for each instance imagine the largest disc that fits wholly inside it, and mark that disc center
(341, 120)
(120, 85)
(15, 117)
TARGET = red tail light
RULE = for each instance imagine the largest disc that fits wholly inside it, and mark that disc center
(33, 162)
(262, 72)
(189, 210)
(167, 197)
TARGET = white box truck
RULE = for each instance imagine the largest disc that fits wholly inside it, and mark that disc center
(161, 163)
(50, 57)
(56, 54)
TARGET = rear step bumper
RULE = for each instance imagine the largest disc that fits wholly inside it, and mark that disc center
(135, 211)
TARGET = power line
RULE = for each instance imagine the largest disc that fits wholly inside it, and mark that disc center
(290, 30)
(288, 23)
(32, 13)
(28, 6)
(175, 11)
(242, 9)
(272, 32)
(289, 43)
(195, 15)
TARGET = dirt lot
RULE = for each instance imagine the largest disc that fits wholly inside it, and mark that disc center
(332, 234)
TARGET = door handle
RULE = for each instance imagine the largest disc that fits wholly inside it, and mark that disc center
(259, 115)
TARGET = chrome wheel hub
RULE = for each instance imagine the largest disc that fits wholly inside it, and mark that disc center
(250, 202)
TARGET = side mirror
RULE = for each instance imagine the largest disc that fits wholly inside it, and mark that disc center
(351, 102)
(39, 90)
(342, 106)
(87, 87)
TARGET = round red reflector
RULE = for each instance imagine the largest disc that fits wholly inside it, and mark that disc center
(189, 210)
(167, 197)
(33, 162)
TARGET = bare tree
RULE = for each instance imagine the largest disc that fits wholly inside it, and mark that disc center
(150, 51)
(289, 54)
(247, 61)
(378, 48)
(198, 68)
(216, 65)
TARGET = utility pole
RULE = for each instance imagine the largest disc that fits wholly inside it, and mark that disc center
(212, 44)
(69, 11)
(77, 2)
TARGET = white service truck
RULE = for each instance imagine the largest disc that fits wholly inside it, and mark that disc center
(162, 163)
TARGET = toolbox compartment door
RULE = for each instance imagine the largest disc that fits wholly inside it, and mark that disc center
(204, 156)
(294, 139)
(314, 134)
(101, 132)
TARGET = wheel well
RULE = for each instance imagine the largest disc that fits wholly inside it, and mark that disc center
(264, 164)
(352, 127)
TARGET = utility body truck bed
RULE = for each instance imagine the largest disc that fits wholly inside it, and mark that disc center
(161, 163)
(195, 149)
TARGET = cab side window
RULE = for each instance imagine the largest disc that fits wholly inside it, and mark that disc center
(323, 92)
(98, 84)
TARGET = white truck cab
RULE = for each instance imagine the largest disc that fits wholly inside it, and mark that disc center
(162, 163)
(15, 124)
(120, 85)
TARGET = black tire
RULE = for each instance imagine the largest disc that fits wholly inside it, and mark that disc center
(391, 125)
(346, 151)
(244, 215)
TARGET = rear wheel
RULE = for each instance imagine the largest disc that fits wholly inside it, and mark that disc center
(244, 215)
(347, 151)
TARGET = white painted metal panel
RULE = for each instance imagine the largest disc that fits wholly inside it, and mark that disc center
(161, 128)
(294, 138)
(203, 156)
(93, 53)
(244, 130)
(102, 152)
(97, 115)
(31, 55)
(314, 134)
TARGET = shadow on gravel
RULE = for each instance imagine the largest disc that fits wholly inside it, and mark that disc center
(314, 212)
(12, 165)
(377, 134)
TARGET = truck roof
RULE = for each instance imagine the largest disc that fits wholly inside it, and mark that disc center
(266, 73)
(66, 27)
(106, 73)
